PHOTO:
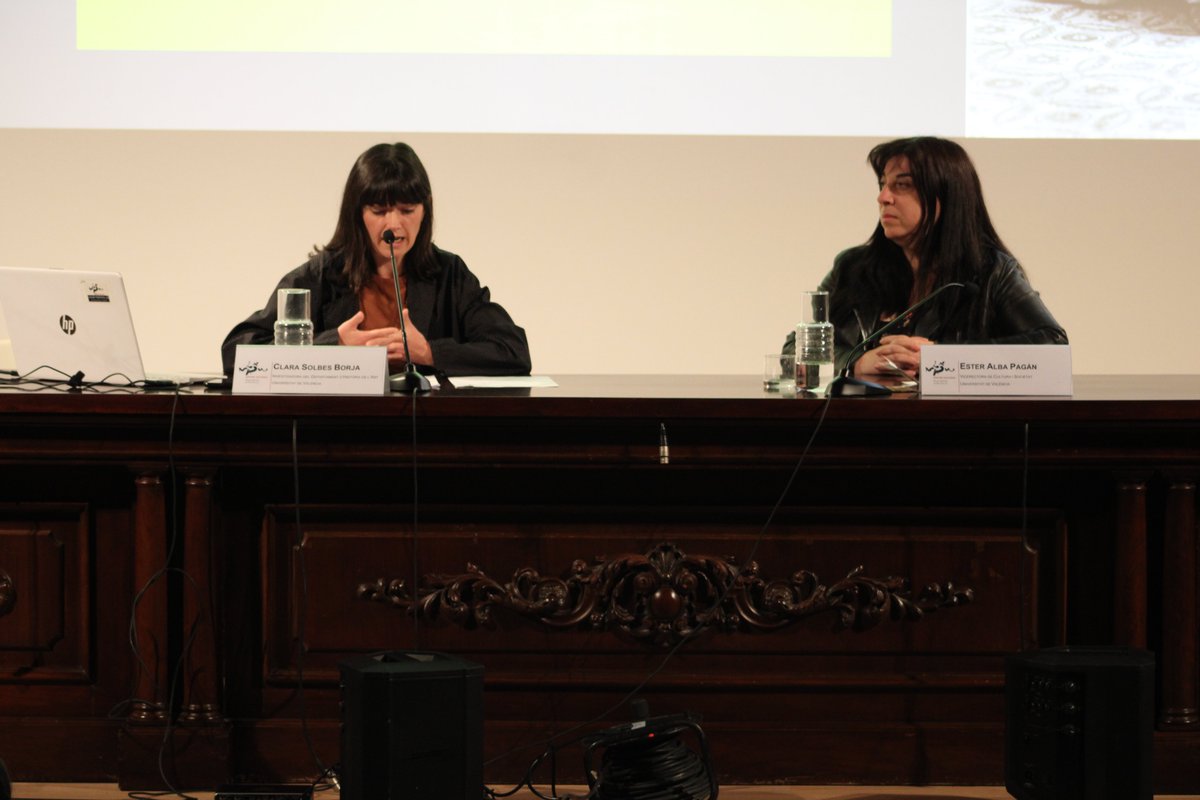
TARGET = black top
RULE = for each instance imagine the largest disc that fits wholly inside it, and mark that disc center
(1005, 310)
(467, 332)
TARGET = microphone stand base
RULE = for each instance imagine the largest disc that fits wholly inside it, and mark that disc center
(845, 386)
(411, 381)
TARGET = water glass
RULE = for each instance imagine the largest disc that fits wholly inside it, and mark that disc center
(293, 323)
(814, 343)
(779, 373)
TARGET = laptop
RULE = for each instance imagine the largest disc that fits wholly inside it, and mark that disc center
(64, 322)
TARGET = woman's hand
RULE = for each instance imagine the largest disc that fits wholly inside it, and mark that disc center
(418, 346)
(894, 355)
(350, 334)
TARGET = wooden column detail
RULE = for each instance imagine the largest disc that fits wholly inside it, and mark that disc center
(1179, 647)
(151, 597)
(1129, 590)
(200, 692)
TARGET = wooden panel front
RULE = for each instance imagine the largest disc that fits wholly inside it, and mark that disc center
(44, 560)
(804, 681)
(245, 576)
(65, 658)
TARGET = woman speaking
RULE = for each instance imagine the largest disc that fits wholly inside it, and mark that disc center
(452, 325)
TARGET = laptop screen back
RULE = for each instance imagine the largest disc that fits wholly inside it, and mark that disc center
(65, 321)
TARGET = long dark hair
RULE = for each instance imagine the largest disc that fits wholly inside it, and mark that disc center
(384, 175)
(954, 242)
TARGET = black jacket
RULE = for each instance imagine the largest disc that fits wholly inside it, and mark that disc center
(1006, 310)
(467, 332)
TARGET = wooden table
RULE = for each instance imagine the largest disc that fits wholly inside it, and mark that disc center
(161, 556)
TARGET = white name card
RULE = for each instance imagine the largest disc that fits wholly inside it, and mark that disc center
(315, 369)
(996, 369)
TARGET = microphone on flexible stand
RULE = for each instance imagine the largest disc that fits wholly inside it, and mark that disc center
(845, 385)
(413, 380)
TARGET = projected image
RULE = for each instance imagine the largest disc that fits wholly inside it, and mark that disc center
(1084, 68)
(704, 67)
(878, 68)
(754, 28)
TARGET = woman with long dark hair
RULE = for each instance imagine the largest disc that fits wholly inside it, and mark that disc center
(452, 324)
(933, 230)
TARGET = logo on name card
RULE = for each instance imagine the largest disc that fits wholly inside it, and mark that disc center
(938, 367)
(284, 369)
(255, 374)
(996, 369)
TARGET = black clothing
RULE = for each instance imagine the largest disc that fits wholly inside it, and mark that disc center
(1006, 310)
(467, 332)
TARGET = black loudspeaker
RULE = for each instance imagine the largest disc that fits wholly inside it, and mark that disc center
(1079, 724)
(412, 727)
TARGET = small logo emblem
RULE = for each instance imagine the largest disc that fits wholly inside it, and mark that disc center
(67, 324)
(95, 292)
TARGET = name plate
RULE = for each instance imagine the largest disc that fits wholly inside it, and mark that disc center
(996, 369)
(315, 369)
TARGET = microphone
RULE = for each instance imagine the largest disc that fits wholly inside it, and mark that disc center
(413, 380)
(845, 385)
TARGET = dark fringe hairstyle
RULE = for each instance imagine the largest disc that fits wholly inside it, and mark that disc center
(384, 175)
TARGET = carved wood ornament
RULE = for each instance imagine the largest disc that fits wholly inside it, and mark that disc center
(664, 597)
(8, 594)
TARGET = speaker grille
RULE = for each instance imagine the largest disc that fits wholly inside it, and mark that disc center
(1079, 724)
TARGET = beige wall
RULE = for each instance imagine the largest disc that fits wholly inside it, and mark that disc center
(633, 254)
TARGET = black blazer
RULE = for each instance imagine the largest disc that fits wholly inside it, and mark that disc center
(1006, 310)
(468, 333)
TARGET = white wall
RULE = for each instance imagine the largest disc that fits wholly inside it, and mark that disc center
(634, 254)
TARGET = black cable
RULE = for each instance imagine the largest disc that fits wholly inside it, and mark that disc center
(26, 376)
(185, 647)
(704, 623)
(1021, 581)
(302, 601)
(172, 544)
(527, 779)
(42, 385)
(660, 769)
(75, 381)
(416, 576)
(302, 611)
(414, 542)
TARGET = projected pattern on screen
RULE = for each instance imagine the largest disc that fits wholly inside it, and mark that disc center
(1097, 69)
